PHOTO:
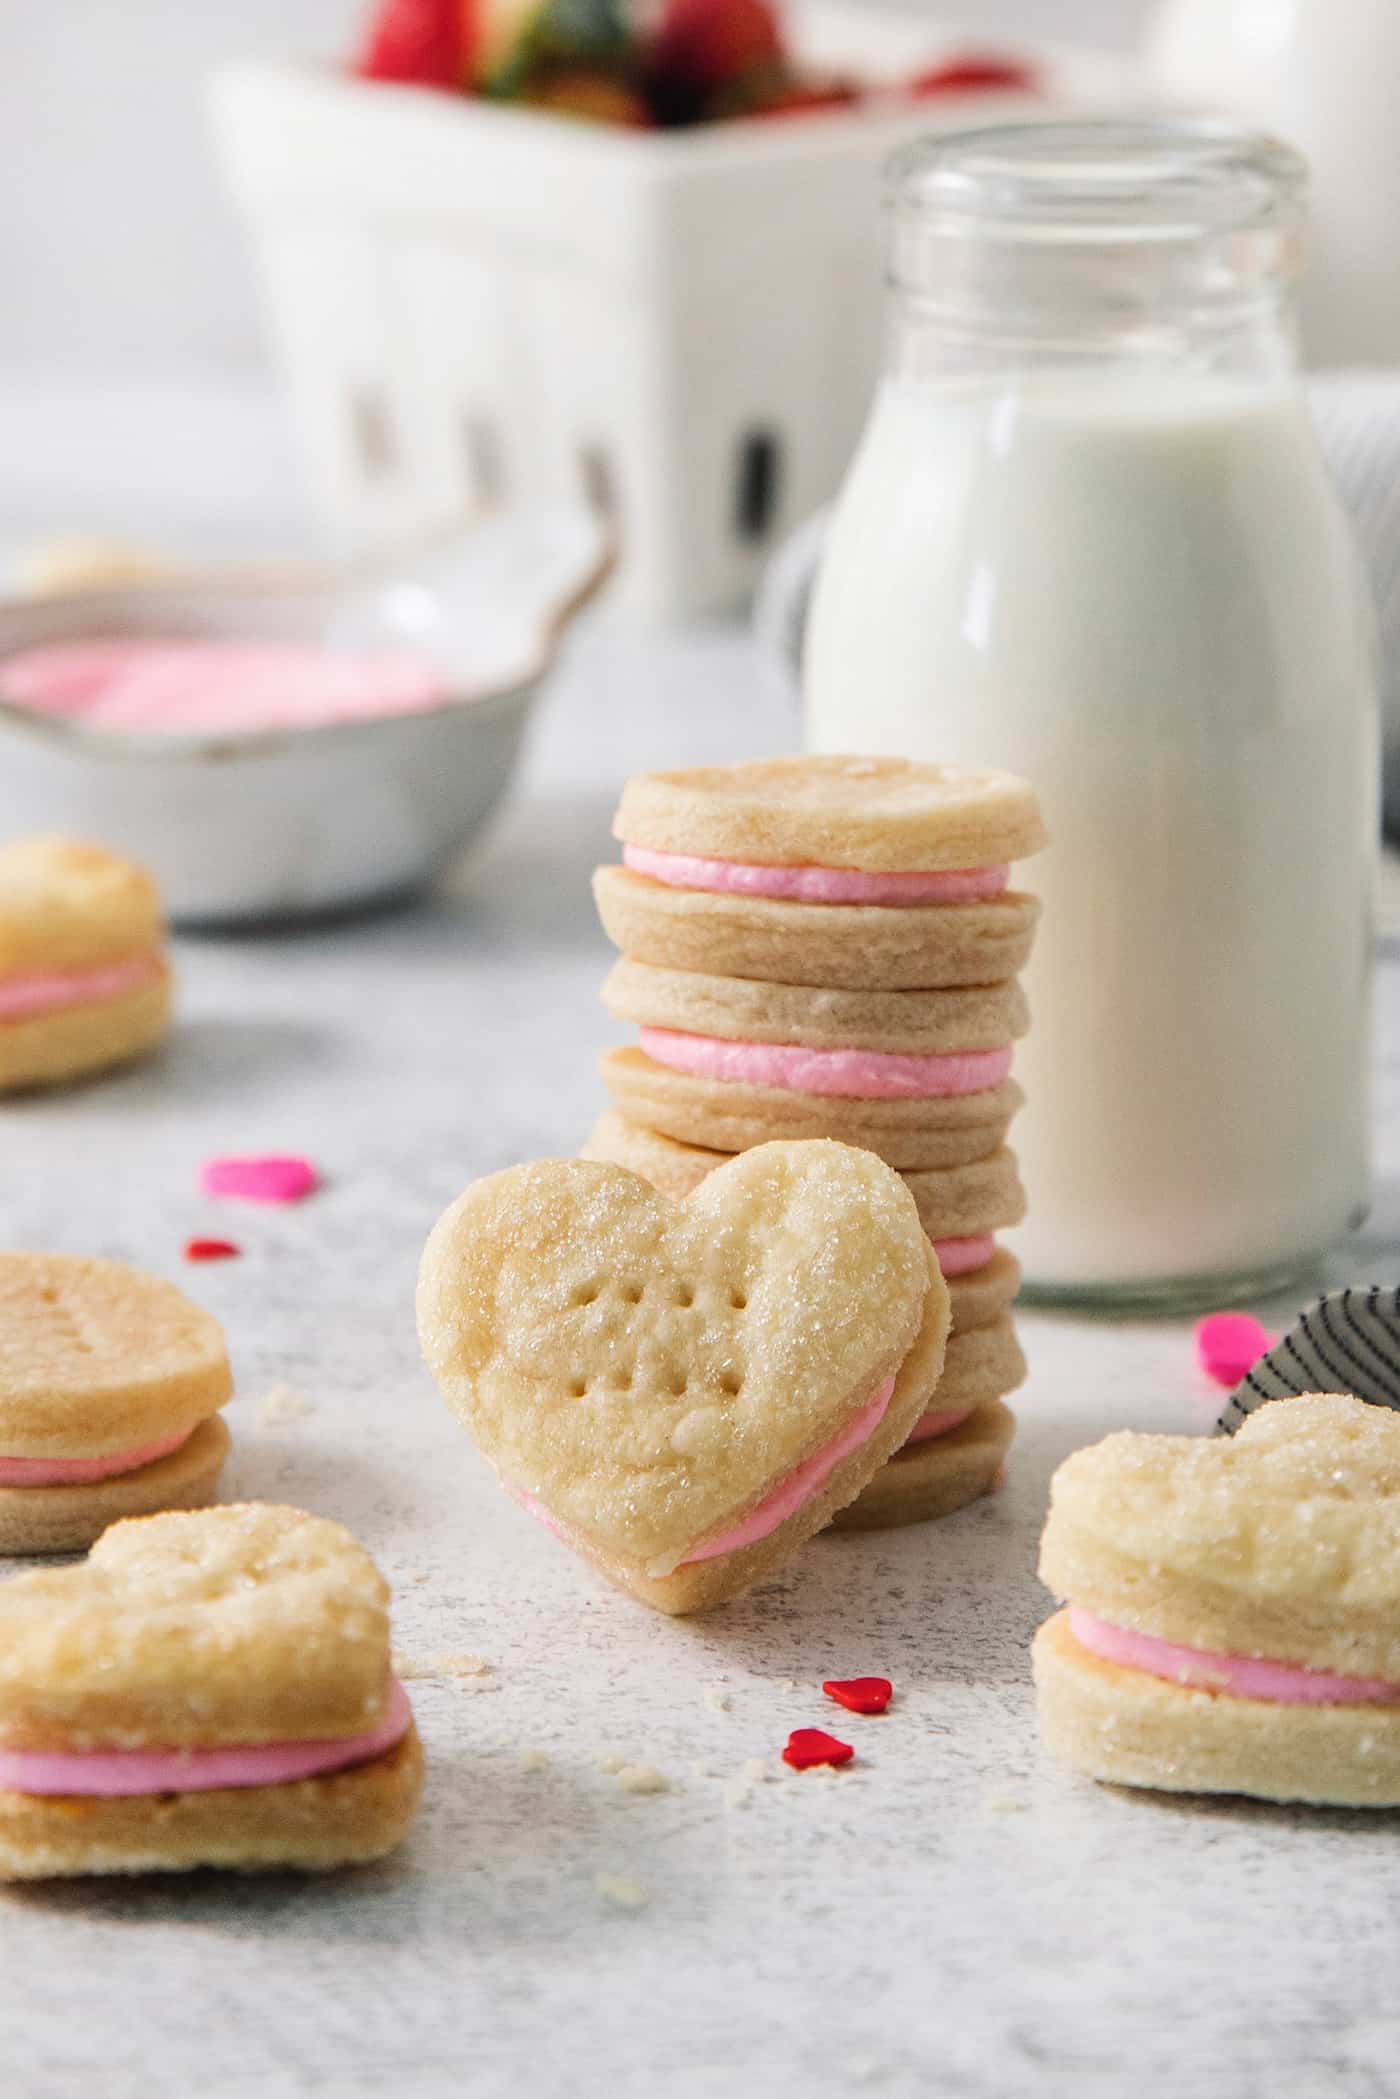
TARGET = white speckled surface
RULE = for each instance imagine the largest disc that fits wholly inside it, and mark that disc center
(952, 1915)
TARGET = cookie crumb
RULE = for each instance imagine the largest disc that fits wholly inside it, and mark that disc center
(283, 1403)
(789, 1683)
(642, 1778)
(622, 1891)
(608, 1760)
(461, 1665)
(1003, 1804)
(740, 1784)
(533, 1760)
(715, 1699)
(468, 1671)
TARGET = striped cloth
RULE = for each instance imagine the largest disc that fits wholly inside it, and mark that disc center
(1349, 1341)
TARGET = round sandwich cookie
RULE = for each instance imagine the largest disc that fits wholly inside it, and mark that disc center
(739, 1009)
(110, 1386)
(957, 1447)
(817, 816)
(206, 1689)
(1232, 1619)
(707, 1106)
(686, 1392)
(851, 873)
(83, 978)
(960, 1207)
(851, 947)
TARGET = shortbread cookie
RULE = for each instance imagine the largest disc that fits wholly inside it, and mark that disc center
(832, 814)
(955, 1450)
(865, 947)
(981, 1364)
(672, 1168)
(1233, 1620)
(981, 1297)
(960, 1207)
(686, 1392)
(979, 1017)
(727, 1115)
(937, 1476)
(83, 978)
(208, 1689)
(109, 1382)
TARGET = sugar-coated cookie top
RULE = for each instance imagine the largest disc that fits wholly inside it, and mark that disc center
(1300, 1509)
(69, 904)
(881, 815)
(245, 1624)
(96, 1356)
(649, 1370)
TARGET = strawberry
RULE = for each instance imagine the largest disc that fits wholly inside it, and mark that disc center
(976, 72)
(704, 43)
(419, 43)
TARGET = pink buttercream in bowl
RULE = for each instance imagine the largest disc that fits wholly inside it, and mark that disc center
(110, 1773)
(854, 1074)
(1240, 1675)
(78, 1472)
(817, 885)
(48, 991)
(216, 687)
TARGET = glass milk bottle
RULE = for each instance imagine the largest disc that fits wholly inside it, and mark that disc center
(1088, 537)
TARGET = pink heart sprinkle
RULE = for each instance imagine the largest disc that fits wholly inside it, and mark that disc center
(272, 1178)
(1230, 1343)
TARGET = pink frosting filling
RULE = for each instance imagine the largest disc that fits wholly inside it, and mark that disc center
(817, 885)
(110, 1772)
(851, 1073)
(44, 993)
(1280, 1683)
(75, 1472)
(801, 1484)
(216, 686)
(936, 1424)
(961, 1256)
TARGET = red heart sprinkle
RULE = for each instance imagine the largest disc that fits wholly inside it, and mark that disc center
(860, 1694)
(807, 1746)
(211, 1250)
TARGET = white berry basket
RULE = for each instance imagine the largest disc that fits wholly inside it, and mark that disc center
(472, 303)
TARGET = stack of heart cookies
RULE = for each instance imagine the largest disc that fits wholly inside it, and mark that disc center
(829, 947)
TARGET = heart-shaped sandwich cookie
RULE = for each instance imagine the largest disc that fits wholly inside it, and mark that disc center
(686, 1391)
(110, 1386)
(207, 1689)
(1233, 1620)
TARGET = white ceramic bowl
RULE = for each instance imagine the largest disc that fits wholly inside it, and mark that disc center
(290, 823)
